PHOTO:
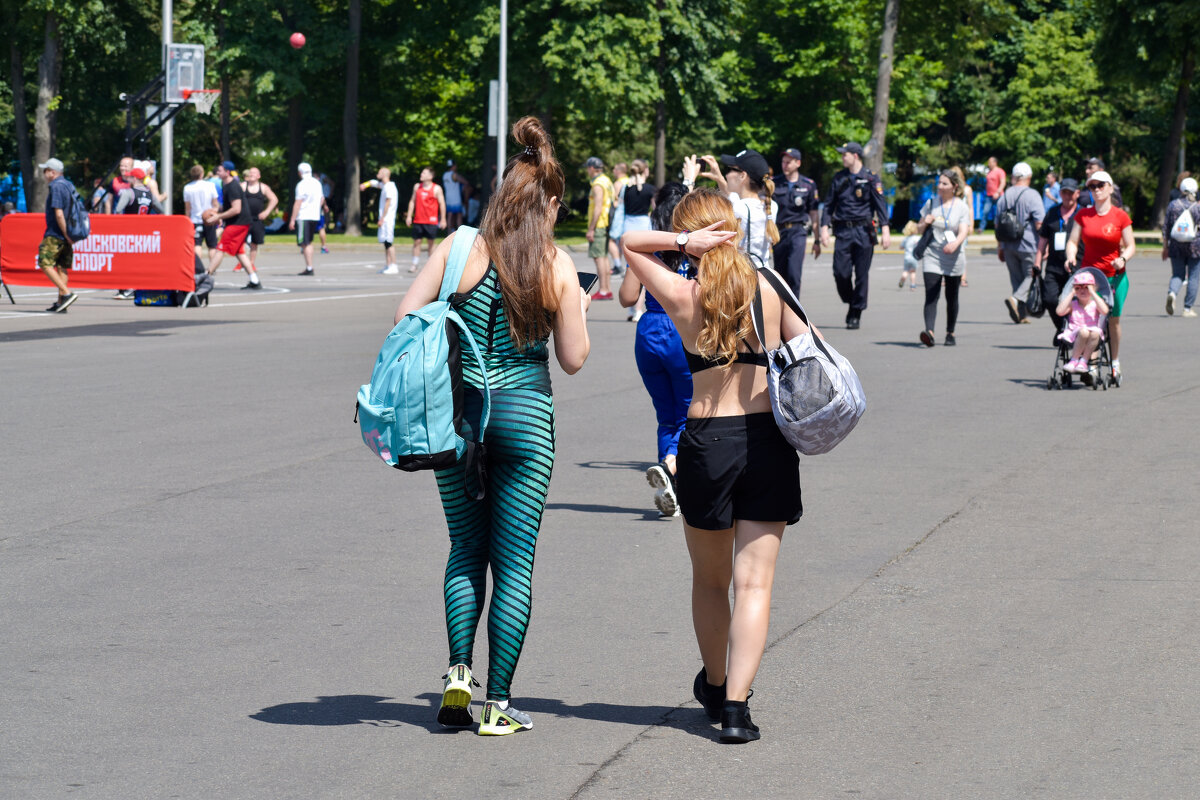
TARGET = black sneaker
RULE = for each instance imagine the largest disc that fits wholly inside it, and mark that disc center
(54, 308)
(64, 302)
(950, 340)
(736, 725)
(712, 698)
(307, 272)
(852, 322)
(927, 338)
(253, 285)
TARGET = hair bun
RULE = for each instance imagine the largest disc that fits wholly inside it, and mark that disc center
(529, 133)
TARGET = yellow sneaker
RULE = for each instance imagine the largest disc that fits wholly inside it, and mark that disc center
(455, 711)
(497, 721)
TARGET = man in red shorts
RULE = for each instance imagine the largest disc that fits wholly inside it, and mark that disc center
(236, 214)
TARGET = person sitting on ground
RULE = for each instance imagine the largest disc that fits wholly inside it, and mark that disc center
(1085, 308)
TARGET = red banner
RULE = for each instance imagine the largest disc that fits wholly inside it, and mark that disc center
(125, 251)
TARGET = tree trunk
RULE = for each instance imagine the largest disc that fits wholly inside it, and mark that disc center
(16, 79)
(873, 152)
(660, 110)
(295, 147)
(49, 71)
(353, 215)
(1166, 172)
(226, 151)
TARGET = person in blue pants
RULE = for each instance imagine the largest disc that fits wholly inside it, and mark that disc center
(661, 361)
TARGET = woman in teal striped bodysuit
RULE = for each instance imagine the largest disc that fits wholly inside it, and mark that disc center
(517, 290)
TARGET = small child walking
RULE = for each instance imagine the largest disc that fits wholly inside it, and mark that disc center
(909, 270)
(1083, 310)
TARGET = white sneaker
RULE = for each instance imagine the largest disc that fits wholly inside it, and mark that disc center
(391, 269)
(1171, 304)
(1187, 312)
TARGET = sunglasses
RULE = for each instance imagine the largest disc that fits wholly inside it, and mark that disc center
(563, 212)
(1095, 186)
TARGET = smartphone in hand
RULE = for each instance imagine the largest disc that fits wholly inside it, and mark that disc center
(587, 280)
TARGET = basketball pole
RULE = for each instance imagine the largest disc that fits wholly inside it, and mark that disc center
(166, 164)
(502, 96)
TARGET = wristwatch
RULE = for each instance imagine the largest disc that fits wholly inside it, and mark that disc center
(681, 241)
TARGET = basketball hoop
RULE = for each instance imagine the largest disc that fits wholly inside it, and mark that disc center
(202, 99)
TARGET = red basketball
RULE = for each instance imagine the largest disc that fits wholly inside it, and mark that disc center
(297, 40)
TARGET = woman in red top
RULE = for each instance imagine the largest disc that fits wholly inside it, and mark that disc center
(1107, 235)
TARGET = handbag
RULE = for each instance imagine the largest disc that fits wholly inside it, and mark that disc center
(923, 243)
(816, 396)
(1035, 304)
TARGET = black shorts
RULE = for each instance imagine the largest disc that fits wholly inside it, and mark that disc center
(428, 231)
(258, 232)
(205, 235)
(306, 229)
(733, 468)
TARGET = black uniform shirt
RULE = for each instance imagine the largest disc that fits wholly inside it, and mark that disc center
(795, 200)
(854, 199)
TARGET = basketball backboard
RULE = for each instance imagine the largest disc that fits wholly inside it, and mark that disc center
(184, 67)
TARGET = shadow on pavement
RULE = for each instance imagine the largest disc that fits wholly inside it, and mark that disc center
(365, 709)
(139, 328)
(916, 344)
(592, 508)
(640, 466)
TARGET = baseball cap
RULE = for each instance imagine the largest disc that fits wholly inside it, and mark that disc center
(52, 163)
(304, 168)
(137, 172)
(750, 162)
(450, 162)
(1083, 277)
(1100, 176)
(229, 166)
(1188, 185)
(793, 152)
(1069, 185)
(851, 147)
(1022, 170)
(1099, 162)
(594, 162)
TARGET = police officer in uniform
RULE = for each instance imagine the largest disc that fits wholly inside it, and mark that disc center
(855, 198)
(796, 196)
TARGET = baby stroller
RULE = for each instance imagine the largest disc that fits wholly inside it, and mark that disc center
(1100, 373)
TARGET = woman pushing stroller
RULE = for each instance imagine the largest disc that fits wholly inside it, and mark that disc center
(1084, 311)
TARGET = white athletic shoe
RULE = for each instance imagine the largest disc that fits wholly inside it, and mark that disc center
(391, 269)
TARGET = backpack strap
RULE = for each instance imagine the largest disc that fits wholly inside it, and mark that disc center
(785, 294)
(456, 262)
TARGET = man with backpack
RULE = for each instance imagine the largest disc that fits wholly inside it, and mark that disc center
(54, 253)
(1019, 214)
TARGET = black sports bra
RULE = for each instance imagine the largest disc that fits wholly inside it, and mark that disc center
(697, 363)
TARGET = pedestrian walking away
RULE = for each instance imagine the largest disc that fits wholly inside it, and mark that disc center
(1106, 234)
(235, 213)
(854, 201)
(944, 258)
(660, 359)
(1184, 253)
(457, 189)
(1051, 257)
(199, 196)
(55, 255)
(517, 291)
(616, 218)
(1018, 248)
(797, 199)
(739, 482)
(306, 213)
(637, 199)
(426, 215)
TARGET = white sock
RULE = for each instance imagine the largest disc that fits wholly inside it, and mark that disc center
(254, 277)
(503, 705)
(415, 260)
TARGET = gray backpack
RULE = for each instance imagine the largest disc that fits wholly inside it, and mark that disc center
(816, 396)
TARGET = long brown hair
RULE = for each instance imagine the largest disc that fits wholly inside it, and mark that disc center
(518, 228)
(725, 275)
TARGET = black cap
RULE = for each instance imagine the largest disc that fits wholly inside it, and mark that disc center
(794, 153)
(1068, 185)
(750, 162)
(851, 147)
(1099, 162)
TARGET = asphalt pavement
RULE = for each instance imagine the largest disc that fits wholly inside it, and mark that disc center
(213, 590)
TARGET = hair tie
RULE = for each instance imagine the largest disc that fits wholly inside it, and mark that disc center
(529, 151)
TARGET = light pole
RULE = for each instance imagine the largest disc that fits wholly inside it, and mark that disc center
(166, 163)
(502, 96)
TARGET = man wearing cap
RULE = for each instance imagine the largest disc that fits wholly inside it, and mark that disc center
(600, 200)
(54, 253)
(854, 201)
(1019, 256)
(1090, 168)
(235, 212)
(796, 196)
(306, 213)
(1051, 257)
(457, 190)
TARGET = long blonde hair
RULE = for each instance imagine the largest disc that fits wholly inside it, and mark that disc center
(765, 190)
(518, 229)
(726, 278)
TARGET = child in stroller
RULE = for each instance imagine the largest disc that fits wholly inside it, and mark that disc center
(1085, 311)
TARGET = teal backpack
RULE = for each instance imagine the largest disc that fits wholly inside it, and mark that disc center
(411, 412)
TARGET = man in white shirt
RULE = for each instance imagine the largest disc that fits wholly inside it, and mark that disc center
(198, 196)
(306, 212)
(389, 201)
